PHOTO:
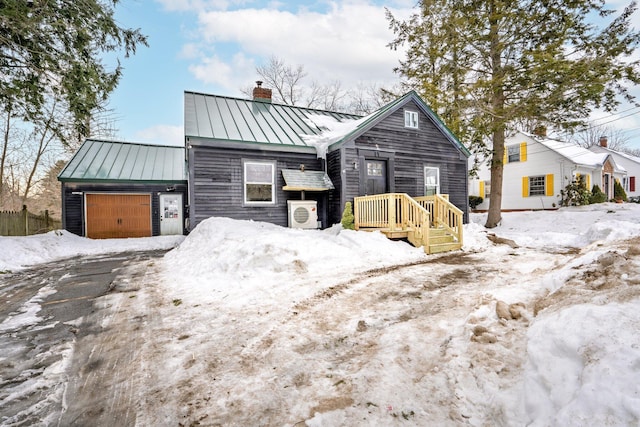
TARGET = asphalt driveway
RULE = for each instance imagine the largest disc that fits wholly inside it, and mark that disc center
(60, 341)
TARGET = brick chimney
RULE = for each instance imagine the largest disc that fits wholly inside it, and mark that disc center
(260, 93)
(540, 131)
(603, 141)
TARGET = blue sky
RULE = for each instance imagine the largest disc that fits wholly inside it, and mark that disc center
(214, 46)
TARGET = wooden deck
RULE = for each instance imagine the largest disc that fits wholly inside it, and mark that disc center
(431, 222)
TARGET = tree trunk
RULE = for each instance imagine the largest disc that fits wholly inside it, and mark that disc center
(3, 155)
(42, 147)
(494, 215)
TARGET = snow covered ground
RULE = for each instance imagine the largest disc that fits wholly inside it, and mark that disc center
(254, 324)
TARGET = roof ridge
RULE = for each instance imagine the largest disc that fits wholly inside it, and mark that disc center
(148, 144)
(236, 98)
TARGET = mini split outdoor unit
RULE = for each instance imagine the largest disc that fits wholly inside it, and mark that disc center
(303, 213)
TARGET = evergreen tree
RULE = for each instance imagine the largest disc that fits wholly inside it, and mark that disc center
(618, 191)
(59, 46)
(597, 196)
(490, 66)
(347, 217)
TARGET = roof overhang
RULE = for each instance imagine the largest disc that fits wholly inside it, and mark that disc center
(306, 180)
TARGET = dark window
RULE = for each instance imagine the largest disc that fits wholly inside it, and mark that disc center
(513, 152)
(536, 186)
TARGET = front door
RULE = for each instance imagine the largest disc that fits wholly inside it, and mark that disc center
(607, 184)
(375, 177)
(170, 214)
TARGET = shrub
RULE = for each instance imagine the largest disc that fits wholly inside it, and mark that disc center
(575, 193)
(597, 196)
(347, 217)
(474, 201)
(618, 191)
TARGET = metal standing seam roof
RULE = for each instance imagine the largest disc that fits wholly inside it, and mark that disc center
(242, 120)
(306, 180)
(115, 161)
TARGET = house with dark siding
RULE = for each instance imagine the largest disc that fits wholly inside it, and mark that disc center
(258, 160)
(113, 189)
(241, 151)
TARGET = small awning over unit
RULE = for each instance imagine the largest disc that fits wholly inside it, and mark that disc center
(305, 180)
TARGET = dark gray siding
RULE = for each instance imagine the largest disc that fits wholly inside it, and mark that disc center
(334, 160)
(73, 204)
(216, 184)
(407, 152)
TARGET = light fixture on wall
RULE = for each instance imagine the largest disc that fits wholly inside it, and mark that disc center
(355, 165)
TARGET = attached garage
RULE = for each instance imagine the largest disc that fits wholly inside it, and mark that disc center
(116, 189)
(118, 215)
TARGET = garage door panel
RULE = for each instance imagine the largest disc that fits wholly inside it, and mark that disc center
(118, 215)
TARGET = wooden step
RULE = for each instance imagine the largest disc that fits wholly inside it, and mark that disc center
(445, 238)
(443, 247)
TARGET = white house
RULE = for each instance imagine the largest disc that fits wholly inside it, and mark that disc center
(536, 169)
(630, 163)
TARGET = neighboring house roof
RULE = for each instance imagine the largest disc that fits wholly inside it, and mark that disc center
(115, 161)
(601, 149)
(241, 120)
(575, 153)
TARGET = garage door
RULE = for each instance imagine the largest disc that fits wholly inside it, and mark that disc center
(118, 215)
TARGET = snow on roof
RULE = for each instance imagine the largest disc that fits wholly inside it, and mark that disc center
(577, 154)
(332, 131)
(619, 153)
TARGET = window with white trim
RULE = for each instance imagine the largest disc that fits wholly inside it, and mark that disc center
(487, 189)
(431, 181)
(259, 183)
(536, 185)
(411, 119)
(513, 153)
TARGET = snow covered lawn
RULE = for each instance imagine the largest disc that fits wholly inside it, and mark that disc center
(254, 324)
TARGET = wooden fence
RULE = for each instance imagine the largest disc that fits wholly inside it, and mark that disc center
(24, 223)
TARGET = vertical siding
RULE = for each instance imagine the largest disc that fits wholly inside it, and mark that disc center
(216, 184)
(411, 150)
(73, 212)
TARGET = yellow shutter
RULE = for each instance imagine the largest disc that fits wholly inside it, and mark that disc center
(482, 189)
(525, 186)
(588, 181)
(504, 156)
(548, 183)
(523, 151)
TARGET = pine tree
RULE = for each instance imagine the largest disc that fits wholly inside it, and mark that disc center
(490, 66)
(59, 46)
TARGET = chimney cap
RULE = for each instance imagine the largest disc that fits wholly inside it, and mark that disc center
(259, 83)
(603, 141)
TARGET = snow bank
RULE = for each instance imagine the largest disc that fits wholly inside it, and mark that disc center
(583, 366)
(230, 256)
(22, 252)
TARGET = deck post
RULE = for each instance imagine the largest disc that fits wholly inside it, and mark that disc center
(391, 208)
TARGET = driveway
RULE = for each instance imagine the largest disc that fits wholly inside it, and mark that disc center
(56, 322)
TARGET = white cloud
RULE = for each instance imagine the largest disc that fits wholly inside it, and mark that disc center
(347, 43)
(193, 5)
(227, 74)
(162, 135)
(189, 51)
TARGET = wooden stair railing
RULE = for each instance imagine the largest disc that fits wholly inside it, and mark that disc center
(399, 215)
(444, 214)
